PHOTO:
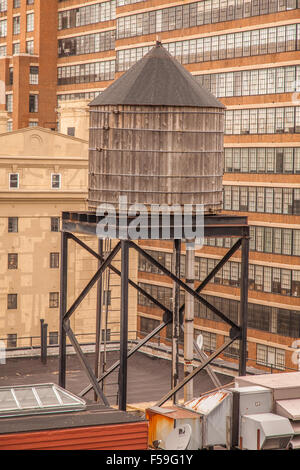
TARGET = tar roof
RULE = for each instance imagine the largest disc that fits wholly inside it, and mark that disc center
(157, 80)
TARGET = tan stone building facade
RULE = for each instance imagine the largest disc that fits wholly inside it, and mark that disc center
(43, 173)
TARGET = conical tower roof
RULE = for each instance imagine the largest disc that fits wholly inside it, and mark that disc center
(157, 80)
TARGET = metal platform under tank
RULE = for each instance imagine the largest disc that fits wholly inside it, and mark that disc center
(86, 223)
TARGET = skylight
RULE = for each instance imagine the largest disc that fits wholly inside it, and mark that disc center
(37, 399)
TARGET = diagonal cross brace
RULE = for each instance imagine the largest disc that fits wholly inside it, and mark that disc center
(196, 371)
(233, 249)
(116, 271)
(130, 353)
(184, 285)
(94, 279)
(84, 362)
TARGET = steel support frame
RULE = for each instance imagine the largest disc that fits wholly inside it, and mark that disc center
(65, 314)
(236, 332)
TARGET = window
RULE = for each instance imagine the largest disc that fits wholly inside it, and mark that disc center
(105, 335)
(71, 131)
(54, 260)
(17, 3)
(30, 2)
(13, 180)
(233, 350)
(53, 299)
(295, 283)
(33, 75)
(2, 50)
(55, 181)
(12, 301)
(148, 324)
(33, 103)
(3, 28)
(9, 126)
(296, 242)
(9, 103)
(30, 47)
(55, 224)
(30, 22)
(16, 25)
(16, 48)
(107, 297)
(10, 76)
(209, 340)
(12, 224)
(53, 337)
(269, 356)
(12, 340)
(12, 261)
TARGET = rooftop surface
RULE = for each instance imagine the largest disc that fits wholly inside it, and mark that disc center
(148, 377)
(273, 381)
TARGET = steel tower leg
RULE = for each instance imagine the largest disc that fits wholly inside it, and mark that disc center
(244, 305)
(63, 308)
(98, 316)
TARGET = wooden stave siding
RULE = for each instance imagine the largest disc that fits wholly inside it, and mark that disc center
(129, 436)
(105, 133)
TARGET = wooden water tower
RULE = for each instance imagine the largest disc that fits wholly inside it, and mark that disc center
(156, 136)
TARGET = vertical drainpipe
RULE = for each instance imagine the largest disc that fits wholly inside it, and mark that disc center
(176, 323)
(189, 321)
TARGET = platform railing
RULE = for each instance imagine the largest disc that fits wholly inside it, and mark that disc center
(158, 345)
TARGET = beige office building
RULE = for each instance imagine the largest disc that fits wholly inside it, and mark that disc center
(43, 173)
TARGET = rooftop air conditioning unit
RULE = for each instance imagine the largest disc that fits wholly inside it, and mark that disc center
(265, 431)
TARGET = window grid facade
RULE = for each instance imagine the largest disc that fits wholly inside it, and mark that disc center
(274, 240)
(261, 278)
(86, 44)
(90, 95)
(261, 199)
(275, 320)
(197, 14)
(85, 73)
(227, 46)
(252, 82)
(89, 14)
(263, 120)
(262, 160)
